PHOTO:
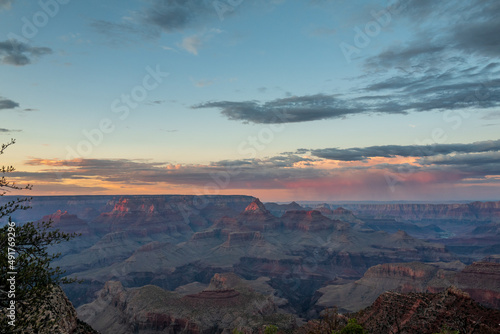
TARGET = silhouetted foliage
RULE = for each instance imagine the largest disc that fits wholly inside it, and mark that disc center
(352, 327)
(448, 330)
(26, 276)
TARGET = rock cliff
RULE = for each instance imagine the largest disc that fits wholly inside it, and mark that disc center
(467, 211)
(480, 280)
(228, 303)
(427, 313)
(55, 316)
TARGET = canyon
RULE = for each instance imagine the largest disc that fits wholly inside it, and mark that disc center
(299, 258)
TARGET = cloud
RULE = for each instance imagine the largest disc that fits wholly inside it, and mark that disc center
(296, 176)
(156, 102)
(286, 110)
(448, 62)
(390, 151)
(124, 32)
(395, 95)
(13, 52)
(191, 44)
(8, 104)
(203, 83)
(178, 15)
(5, 4)
(239, 173)
(494, 115)
(442, 30)
(194, 43)
(477, 159)
(2, 130)
(161, 16)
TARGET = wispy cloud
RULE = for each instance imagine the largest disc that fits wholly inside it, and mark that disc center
(177, 15)
(455, 69)
(163, 16)
(464, 29)
(7, 104)
(124, 33)
(5, 4)
(391, 151)
(2, 130)
(13, 52)
(286, 110)
(396, 95)
(203, 82)
(192, 44)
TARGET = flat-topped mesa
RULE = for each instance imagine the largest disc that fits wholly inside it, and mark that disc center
(341, 211)
(208, 234)
(67, 223)
(413, 270)
(242, 238)
(221, 287)
(311, 220)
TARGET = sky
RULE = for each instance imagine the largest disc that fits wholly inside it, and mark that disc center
(281, 99)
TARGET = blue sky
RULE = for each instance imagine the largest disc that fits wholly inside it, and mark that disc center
(284, 100)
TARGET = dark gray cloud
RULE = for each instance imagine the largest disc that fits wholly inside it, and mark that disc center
(287, 110)
(389, 151)
(157, 16)
(477, 30)
(2, 130)
(7, 104)
(13, 52)
(124, 33)
(445, 29)
(407, 57)
(396, 95)
(177, 15)
(435, 71)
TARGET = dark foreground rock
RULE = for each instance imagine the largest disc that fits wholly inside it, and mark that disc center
(56, 316)
(427, 313)
(227, 303)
